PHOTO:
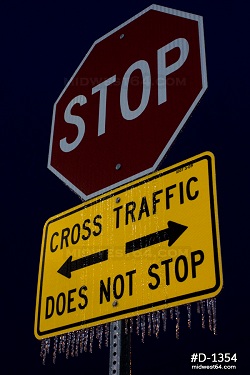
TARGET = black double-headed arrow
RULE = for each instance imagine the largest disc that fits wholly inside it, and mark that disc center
(170, 234)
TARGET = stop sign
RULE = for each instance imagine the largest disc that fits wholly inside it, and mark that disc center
(127, 101)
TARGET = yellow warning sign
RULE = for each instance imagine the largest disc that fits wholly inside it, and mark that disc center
(149, 245)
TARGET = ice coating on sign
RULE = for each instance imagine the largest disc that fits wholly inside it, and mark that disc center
(151, 324)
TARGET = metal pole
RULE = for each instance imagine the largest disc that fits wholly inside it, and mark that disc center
(119, 350)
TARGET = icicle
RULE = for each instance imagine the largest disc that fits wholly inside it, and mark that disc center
(202, 304)
(198, 307)
(138, 325)
(143, 327)
(126, 326)
(100, 336)
(149, 324)
(81, 340)
(85, 339)
(64, 339)
(158, 323)
(78, 333)
(131, 325)
(60, 344)
(164, 319)
(73, 340)
(55, 347)
(68, 342)
(42, 351)
(214, 315)
(171, 312)
(106, 333)
(42, 347)
(189, 312)
(177, 324)
(45, 345)
(153, 318)
(99, 333)
(91, 338)
(209, 311)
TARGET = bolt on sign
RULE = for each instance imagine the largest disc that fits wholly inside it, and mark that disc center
(149, 245)
(133, 92)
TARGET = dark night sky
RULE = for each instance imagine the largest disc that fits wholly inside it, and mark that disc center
(42, 43)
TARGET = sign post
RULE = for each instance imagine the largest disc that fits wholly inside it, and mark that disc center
(146, 246)
(120, 349)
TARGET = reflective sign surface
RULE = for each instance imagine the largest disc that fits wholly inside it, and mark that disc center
(148, 245)
(137, 85)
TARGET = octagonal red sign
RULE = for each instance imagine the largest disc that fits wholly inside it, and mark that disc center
(127, 101)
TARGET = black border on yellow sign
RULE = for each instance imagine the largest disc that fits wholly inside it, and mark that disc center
(120, 314)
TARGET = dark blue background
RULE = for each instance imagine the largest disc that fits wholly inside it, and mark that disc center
(42, 43)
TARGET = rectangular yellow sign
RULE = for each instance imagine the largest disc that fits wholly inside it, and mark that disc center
(149, 245)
